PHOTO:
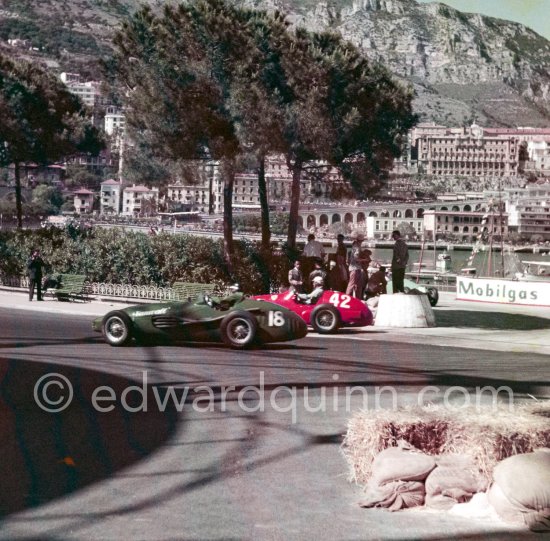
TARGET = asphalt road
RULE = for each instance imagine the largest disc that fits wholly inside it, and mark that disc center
(192, 453)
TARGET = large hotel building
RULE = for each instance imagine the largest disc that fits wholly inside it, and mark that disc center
(472, 151)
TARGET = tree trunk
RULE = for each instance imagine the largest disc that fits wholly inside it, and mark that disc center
(294, 204)
(264, 204)
(228, 172)
(18, 203)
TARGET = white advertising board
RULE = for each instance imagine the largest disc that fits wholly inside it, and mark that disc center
(503, 291)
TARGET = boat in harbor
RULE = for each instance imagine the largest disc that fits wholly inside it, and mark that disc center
(534, 271)
(505, 281)
(438, 274)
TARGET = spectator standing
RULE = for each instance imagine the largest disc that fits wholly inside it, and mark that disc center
(35, 264)
(341, 281)
(317, 271)
(312, 250)
(333, 277)
(358, 259)
(295, 278)
(399, 262)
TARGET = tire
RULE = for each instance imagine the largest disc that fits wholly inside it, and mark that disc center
(117, 328)
(325, 319)
(239, 329)
(433, 295)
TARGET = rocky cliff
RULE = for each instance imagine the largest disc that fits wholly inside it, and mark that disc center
(463, 66)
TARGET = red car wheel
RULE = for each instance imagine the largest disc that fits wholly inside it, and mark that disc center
(325, 319)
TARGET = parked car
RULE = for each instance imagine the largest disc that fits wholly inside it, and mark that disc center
(332, 311)
(237, 321)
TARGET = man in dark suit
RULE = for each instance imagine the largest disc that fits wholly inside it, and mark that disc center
(34, 267)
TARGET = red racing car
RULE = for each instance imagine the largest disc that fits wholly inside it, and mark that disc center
(331, 311)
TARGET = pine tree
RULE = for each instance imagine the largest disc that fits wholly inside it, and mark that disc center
(42, 121)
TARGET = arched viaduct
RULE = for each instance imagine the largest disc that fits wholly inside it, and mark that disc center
(355, 216)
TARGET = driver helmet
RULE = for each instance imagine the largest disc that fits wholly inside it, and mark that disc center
(318, 281)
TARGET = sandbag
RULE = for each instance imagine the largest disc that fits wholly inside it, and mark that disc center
(395, 495)
(403, 463)
(455, 480)
(521, 489)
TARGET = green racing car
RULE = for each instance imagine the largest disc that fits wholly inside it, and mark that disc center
(236, 320)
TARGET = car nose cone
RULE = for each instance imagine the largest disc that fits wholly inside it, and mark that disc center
(297, 326)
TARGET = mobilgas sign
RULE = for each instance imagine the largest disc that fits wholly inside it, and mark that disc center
(503, 291)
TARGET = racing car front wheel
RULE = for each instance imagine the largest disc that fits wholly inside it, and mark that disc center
(433, 295)
(239, 329)
(117, 328)
(325, 319)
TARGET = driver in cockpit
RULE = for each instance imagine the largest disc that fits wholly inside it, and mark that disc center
(315, 295)
(224, 303)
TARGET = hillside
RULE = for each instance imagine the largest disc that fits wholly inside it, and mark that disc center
(463, 66)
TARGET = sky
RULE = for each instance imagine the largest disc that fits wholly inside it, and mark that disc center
(532, 13)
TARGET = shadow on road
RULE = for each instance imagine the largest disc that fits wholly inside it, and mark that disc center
(489, 320)
(48, 455)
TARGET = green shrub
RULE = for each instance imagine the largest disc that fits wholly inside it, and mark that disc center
(120, 256)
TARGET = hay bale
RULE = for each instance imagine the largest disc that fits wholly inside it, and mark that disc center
(487, 434)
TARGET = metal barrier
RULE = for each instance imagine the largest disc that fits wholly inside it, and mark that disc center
(106, 289)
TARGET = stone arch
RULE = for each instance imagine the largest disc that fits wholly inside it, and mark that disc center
(336, 218)
(371, 213)
(443, 208)
(384, 214)
(466, 229)
(300, 221)
(348, 218)
(361, 217)
(467, 208)
(311, 221)
(455, 208)
(323, 220)
(409, 213)
(456, 229)
(396, 214)
(419, 213)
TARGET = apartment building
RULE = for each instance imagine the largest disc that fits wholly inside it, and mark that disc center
(114, 121)
(465, 226)
(468, 154)
(539, 158)
(192, 197)
(83, 200)
(529, 211)
(381, 227)
(89, 92)
(139, 200)
(479, 152)
(110, 196)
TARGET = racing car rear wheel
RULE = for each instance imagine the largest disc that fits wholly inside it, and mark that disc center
(433, 295)
(117, 328)
(325, 319)
(239, 329)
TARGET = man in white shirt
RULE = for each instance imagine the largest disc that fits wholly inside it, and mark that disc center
(359, 260)
(313, 251)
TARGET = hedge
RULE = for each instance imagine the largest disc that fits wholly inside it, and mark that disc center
(120, 256)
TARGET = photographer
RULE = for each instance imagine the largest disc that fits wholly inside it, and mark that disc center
(35, 265)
